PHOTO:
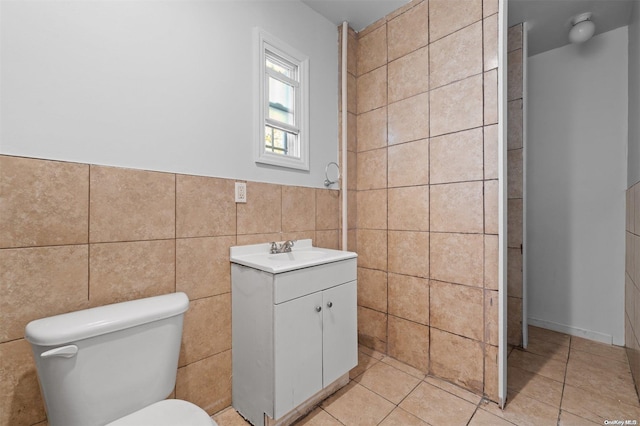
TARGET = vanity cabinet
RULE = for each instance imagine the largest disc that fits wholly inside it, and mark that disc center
(314, 343)
(294, 334)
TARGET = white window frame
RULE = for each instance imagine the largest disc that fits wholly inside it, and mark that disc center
(263, 43)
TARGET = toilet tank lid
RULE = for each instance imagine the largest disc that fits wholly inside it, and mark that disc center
(74, 326)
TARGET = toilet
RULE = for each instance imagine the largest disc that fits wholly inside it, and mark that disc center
(114, 365)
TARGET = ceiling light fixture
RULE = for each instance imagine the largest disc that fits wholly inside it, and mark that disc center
(582, 28)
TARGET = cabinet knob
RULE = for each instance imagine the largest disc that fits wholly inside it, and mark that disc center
(318, 308)
(329, 304)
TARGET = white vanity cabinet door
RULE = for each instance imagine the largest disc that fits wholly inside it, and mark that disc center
(340, 331)
(298, 351)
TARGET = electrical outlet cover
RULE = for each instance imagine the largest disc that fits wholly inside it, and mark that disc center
(241, 192)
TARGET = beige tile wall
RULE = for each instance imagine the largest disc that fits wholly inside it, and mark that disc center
(74, 236)
(514, 185)
(632, 282)
(426, 190)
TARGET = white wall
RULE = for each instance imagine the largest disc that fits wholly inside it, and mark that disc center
(157, 85)
(633, 171)
(576, 181)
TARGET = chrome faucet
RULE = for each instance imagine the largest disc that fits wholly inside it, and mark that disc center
(287, 245)
(281, 248)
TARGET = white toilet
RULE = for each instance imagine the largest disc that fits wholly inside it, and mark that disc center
(114, 365)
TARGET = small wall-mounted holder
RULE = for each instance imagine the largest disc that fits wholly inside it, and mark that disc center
(328, 182)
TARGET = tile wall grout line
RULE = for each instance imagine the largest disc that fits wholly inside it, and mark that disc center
(429, 46)
(386, 183)
(484, 221)
(175, 232)
(89, 235)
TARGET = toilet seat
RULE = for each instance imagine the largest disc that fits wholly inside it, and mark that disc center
(169, 412)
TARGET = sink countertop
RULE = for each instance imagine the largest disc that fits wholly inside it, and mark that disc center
(302, 255)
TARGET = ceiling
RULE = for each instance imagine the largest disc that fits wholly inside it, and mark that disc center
(548, 21)
(358, 13)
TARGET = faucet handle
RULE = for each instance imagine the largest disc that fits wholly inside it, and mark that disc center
(274, 247)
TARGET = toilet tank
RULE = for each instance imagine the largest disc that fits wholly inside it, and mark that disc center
(100, 364)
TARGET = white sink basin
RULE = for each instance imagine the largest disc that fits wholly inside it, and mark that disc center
(303, 255)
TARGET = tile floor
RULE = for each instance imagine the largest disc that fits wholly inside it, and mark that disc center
(558, 380)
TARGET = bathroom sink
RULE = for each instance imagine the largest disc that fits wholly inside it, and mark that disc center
(303, 255)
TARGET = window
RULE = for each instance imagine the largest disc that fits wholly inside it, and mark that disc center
(281, 93)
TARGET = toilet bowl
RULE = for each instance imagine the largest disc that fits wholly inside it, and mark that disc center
(169, 412)
(114, 365)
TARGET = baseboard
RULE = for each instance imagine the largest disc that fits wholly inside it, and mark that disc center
(572, 331)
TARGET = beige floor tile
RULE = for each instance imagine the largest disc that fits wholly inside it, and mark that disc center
(617, 384)
(596, 406)
(484, 418)
(229, 417)
(356, 405)
(568, 419)
(599, 387)
(616, 353)
(525, 411)
(537, 364)
(535, 386)
(364, 362)
(537, 333)
(438, 407)
(399, 417)
(551, 350)
(403, 367)
(388, 382)
(599, 361)
(454, 389)
(317, 417)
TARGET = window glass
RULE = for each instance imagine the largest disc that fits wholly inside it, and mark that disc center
(283, 109)
(278, 66)
(281, 101)
(278, 141)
